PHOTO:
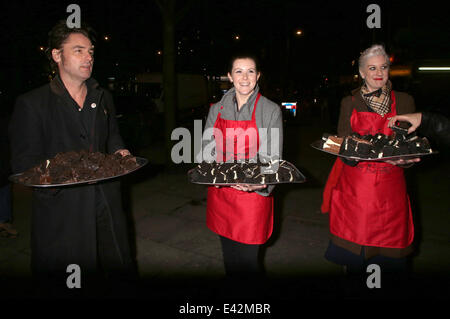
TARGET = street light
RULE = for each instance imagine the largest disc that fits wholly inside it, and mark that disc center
(434, 68)
(298, 32)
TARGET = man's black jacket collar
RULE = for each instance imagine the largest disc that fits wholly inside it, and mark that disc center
(57, 86)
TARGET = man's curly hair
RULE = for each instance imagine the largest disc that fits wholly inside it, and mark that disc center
(59, 34)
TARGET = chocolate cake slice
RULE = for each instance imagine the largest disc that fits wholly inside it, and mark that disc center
(379, 141)
(332, 143)
(400, 132)
(357, 147)
(363, 148)
(386, 151)
(424, 146)
(272, 172)
(376, 146)
(73, 167)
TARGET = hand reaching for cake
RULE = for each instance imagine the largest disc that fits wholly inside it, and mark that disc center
(123, 152)
(402, 162)
(415, 119)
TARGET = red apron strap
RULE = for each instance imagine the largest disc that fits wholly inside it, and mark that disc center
(254, 107)
(393, 104)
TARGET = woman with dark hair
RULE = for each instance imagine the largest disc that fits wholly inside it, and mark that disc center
(242, 215)
(370, 213)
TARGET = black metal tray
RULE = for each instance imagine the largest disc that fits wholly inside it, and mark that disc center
(318, 146)
(301, 179)
(140, 160)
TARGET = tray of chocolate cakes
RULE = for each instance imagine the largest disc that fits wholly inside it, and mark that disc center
(378, 147)
(83, 167)
(247, 172)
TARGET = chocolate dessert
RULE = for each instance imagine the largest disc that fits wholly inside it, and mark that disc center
(400, 132)
(358, 147)
(332, 143)
(72, 167)
(378, 145)
(274, 172)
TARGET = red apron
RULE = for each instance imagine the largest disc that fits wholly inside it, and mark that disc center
(245, 217)
(369, 204)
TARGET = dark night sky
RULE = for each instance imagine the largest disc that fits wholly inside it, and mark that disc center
(334, 34)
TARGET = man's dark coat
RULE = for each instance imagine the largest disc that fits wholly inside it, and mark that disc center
(44, 123)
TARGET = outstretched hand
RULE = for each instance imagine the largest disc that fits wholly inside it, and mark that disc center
(123, 152)
(402, 162)
(413, 118)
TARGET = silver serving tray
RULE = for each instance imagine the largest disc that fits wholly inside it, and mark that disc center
(318, 146)
(140, 160)
(251, 184)
(301, 180)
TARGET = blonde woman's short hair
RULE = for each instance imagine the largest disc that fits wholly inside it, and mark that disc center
(374, 50)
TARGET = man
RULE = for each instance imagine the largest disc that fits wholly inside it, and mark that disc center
(81, 225)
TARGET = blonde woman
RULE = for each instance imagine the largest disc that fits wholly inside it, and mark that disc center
(368, 205)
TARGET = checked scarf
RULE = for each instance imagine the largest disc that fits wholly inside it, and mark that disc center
(379, 100)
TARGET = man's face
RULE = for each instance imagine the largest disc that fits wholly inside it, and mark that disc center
(76, 58)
